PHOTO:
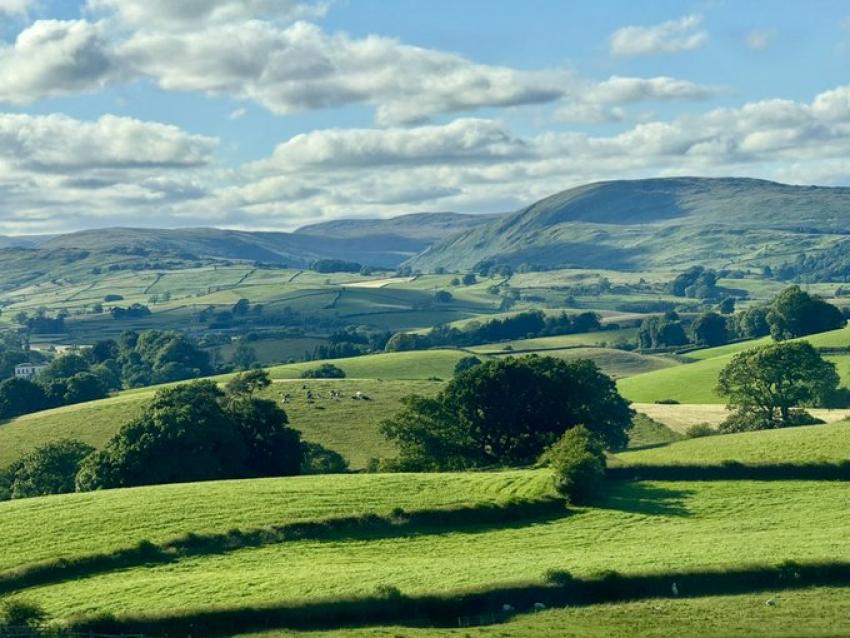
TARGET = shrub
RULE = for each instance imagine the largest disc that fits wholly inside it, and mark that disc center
(700, 430)
(320, 460)
(324, 371)
(744, 420)
(578, 461)
(17, 612)
(667, 402)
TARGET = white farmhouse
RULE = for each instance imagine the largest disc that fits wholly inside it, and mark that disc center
(28, 371)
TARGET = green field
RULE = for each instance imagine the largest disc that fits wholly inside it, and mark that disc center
(647, 527)
(811, 444)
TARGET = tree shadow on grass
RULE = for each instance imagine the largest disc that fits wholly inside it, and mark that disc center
(640, 498)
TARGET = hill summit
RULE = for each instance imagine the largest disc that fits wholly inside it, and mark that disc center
(657, 223)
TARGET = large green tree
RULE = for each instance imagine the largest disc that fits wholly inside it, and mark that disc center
(795, 313)
(768, 381)
(507, 412)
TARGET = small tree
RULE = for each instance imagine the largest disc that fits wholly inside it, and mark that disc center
(248, 382)
(578, 460)
(770, 380)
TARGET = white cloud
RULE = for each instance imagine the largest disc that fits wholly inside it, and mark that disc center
(55, 57)
(759, 39)
(57, 143)
(300, 68)
(182, 15)
(15, 7)
(673, 36)
(237, 114)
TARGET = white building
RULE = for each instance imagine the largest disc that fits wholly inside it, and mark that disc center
(28, 371)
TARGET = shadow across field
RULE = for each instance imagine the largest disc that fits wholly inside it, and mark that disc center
(639, 498)
(733, 471)
(465, 519)
(473, 606)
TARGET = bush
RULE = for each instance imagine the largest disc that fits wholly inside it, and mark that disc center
(17, 612)
(667, 402)
(320, 460)
(324, 371)
(578, 461)
(700, 430)
(744, 420)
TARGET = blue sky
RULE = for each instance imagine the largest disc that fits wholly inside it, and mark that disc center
(270, 114)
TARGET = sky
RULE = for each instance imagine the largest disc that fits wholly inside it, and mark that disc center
(272, 114)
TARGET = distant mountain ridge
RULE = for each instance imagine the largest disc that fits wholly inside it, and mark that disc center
(657, 223)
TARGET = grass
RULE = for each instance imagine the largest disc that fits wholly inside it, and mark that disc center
(695, 382)
(817, 612)
(79, 524)
(800, 445)
(638, 528)
(350, 427)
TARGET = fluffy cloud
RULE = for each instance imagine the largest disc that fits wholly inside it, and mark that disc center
(15, 7)
(55, 57)
(180, 15)
(300, 67)
(672, 36)
(57, 143)
(220, 48)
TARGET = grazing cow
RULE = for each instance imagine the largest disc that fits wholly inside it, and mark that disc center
(539, 606)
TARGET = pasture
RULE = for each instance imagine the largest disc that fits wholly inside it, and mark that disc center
(638, 528)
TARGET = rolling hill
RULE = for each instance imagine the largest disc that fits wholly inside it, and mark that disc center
(658, 223)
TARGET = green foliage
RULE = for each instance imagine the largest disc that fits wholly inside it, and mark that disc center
(320, 460)
(661, 332)
(19, 396)
(710, 330)
(770, 380)
(795, 313)
(184, 434)
(17, 613)
(749, 420)
(324, 371)
(244, 356)
(335, 265)
(578, 461)
(196, 432)
(49, 469)
(700, 430)
(523, 325)
(696, 283)
(246, 383)
(466, 363)
(507, 412)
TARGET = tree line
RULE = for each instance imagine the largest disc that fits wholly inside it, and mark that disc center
(793, 313)
(524, 325)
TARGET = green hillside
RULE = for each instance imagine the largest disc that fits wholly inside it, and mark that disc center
(347, 426)
(655, 224)
(660, 528)
(801, 445)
